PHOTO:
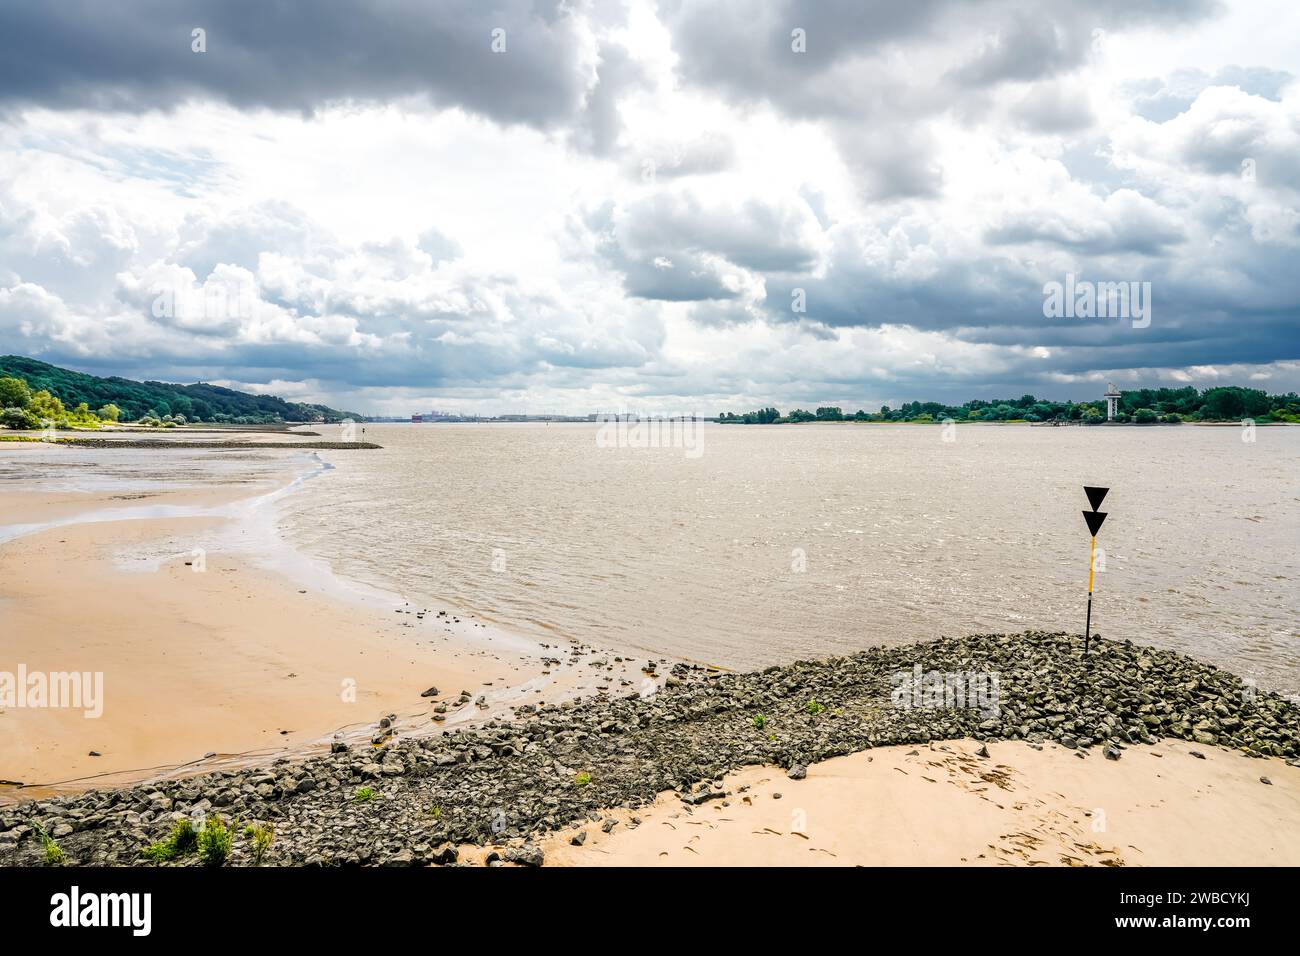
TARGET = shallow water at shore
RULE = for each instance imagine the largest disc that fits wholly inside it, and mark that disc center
(792, 542)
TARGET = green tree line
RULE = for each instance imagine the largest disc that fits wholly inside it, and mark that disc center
(1140, 406)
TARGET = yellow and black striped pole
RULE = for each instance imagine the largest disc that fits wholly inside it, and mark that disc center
(1094, 519)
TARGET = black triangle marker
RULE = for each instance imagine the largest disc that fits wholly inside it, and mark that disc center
(1094, 519)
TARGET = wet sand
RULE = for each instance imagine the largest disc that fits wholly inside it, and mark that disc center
(227, 660)
(945, 806)
(215, 653)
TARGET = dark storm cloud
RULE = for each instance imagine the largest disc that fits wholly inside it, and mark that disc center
(136, 54)
(1234, 304)
(879, 68)
(1027, 48)
(855, 294)
(688, 277)
(745, 49)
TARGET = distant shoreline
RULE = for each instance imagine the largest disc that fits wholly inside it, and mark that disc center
(1015, 421)
(157, 444)
(163, 443)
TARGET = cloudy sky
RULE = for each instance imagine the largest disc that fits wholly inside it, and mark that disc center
(496, 205)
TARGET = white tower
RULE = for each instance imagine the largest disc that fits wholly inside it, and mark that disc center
(1112, 401)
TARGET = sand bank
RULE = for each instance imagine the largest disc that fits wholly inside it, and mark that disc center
(942, 805)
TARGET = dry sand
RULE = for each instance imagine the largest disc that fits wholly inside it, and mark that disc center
(945, 806)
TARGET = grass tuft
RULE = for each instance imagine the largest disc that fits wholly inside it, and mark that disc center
(214, 842)
(53, 852)
(260, 836)
(184, 839)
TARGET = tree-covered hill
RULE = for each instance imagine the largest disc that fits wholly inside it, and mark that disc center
(200, 402)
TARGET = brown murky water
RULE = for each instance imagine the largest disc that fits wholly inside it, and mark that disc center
(787, 542)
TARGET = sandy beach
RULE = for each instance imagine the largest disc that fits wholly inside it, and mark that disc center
(229, 660)
(943, 805)
(211, 658)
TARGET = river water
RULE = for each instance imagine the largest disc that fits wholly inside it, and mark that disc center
(749, 545)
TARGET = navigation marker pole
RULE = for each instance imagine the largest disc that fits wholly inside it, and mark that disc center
(1094, 519)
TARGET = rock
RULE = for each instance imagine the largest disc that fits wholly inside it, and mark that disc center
(1198, 755)
(446, 856)
(797, 772)
(578, 839)
(1112, 752)
(431, 692)
(159, 802)
(695, 799)
(1266, 781)
(609, 824)
(526, 855)
(983, 751)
